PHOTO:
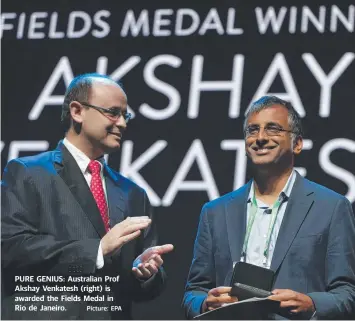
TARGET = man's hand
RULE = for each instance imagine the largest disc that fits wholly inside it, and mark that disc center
(123, 232)
(296, 302)
(148, 263)
(217, 297)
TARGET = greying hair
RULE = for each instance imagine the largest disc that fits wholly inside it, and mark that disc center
(294, 119)
(79, 90)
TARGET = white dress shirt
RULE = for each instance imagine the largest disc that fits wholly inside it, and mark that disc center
(83, 161)
(258, 235)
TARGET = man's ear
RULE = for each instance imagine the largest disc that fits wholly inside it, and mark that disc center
(76, 111)
(298, 145)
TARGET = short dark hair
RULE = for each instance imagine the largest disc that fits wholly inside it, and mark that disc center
(294, 119)
(79, 90)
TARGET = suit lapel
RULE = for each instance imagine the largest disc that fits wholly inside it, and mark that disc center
(236, 215)
(298, 206)
(69, 171)
(115, 196)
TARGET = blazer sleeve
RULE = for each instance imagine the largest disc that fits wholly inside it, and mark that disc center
(202, 276)
(338, 302)
(25, 248)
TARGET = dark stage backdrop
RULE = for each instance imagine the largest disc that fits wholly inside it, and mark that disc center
(190, 69)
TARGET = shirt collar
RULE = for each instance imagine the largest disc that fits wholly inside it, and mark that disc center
(81, 159)
(286, 191)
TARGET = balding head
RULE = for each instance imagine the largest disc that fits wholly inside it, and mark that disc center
(79, 90)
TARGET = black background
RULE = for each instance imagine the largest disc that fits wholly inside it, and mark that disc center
(28, 63)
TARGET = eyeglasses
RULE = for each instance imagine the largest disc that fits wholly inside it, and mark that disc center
(113, 113)
(270, 130)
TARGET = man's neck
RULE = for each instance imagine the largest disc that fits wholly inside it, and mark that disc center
(85, 147)
(269, 184)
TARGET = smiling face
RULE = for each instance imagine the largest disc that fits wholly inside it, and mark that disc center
(99, 133)
(265, 149)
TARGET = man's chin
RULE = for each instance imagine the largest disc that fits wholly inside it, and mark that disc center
(113, 147)
(263, 162)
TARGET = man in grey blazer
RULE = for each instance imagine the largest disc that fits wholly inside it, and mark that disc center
(69, 221)
(279, 220)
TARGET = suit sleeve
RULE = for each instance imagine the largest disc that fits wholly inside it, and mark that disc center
(338, 302)
(25, 248)
(202, 274)
(151, 288)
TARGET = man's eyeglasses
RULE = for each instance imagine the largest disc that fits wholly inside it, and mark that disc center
(113, 113)
(270, 130)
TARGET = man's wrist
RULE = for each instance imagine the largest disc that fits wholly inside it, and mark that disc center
(311, 304)
(204, 306)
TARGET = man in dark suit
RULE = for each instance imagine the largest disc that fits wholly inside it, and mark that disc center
(68, 216)
(279, 220)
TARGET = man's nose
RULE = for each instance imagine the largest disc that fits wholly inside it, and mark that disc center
(262, 134)
(121, 122)
(262, 137)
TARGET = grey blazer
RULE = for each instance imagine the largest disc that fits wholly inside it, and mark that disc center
(314, 253)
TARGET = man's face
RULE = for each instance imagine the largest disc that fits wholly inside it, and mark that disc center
(265, 149)
(102, 133)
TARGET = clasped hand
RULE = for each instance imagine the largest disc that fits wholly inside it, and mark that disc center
(146, 264)
(217, 297)
(296, 302)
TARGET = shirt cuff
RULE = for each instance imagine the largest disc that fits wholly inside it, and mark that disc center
(100, 258)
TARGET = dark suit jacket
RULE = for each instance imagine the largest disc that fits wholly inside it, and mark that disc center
(314, 252)
(51, 226)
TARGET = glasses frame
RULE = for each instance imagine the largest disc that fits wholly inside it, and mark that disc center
(279, 128)
(126, 116)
